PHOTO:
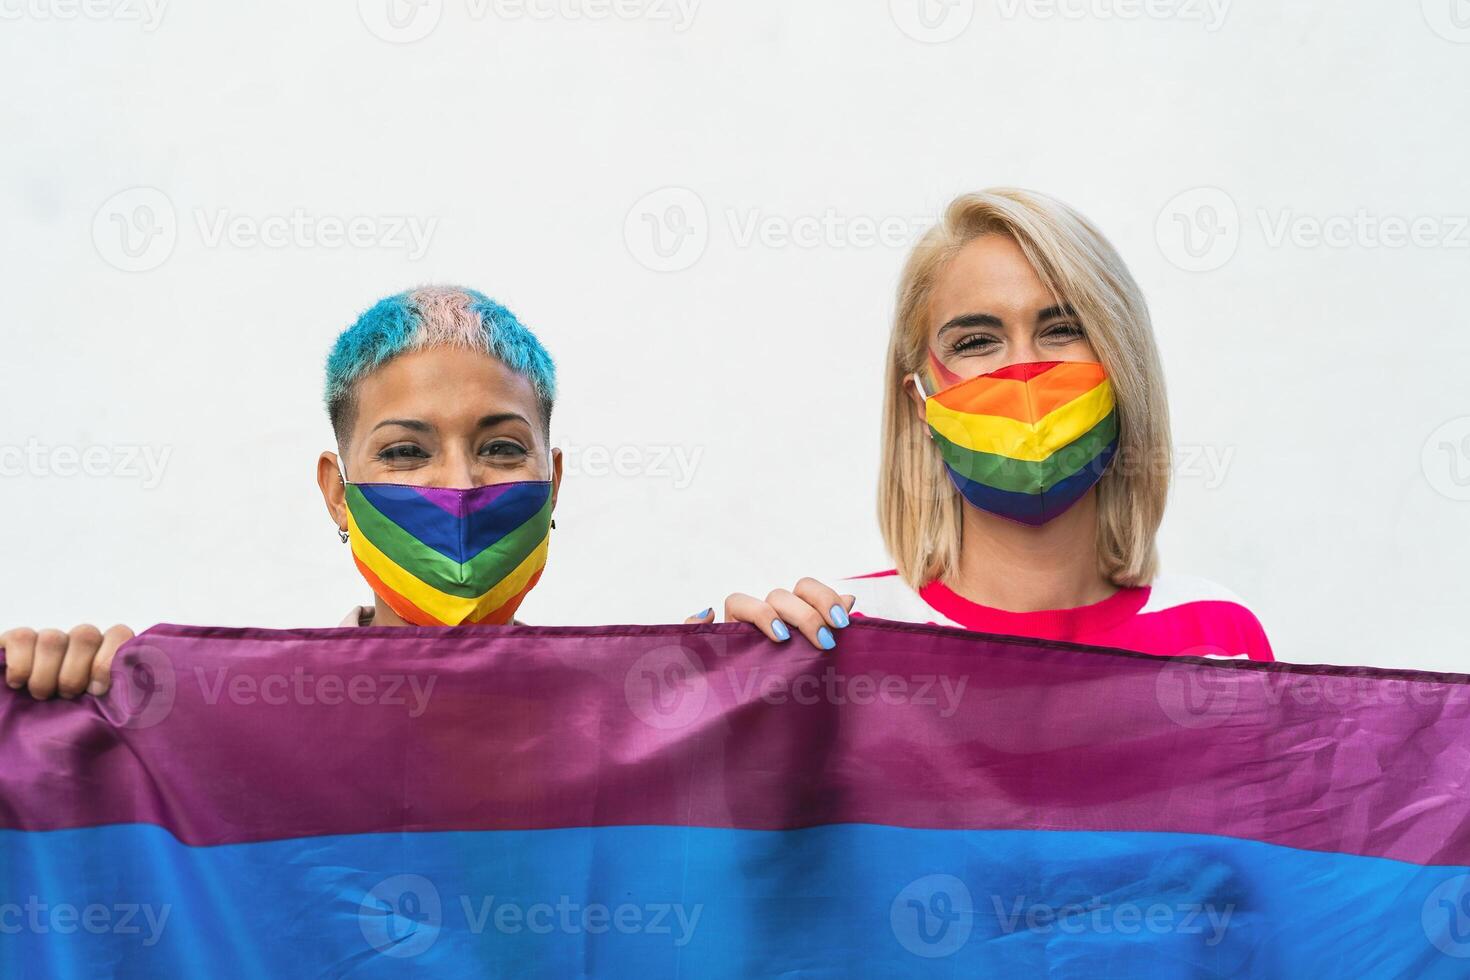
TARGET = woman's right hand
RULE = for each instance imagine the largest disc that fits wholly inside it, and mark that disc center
(812, 608)
(50, 662)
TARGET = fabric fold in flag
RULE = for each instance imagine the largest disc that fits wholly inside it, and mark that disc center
(676, 801)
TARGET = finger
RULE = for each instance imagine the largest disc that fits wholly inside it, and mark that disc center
(76, 664)
(742, 608)
(20, 653)
(102, 665)
(50, 649)
(826, 601)
(802, 615)
(703, 618)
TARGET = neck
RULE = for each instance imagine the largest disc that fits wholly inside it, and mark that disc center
(384, 616)
(1019, 568)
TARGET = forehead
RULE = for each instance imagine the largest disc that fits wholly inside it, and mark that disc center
(444, 386)
(989, 274)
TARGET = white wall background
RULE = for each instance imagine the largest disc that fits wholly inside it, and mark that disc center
(1320, 392)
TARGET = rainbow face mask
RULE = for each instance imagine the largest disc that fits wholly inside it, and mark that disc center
(1028, 441)
(442, 557)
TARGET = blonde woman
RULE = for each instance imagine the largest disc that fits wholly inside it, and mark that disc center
(1026, 450)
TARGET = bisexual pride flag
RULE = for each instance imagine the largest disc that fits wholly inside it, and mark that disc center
(697, 802)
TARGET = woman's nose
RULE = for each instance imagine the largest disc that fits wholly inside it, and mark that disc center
(1024, 352)
(457, 473)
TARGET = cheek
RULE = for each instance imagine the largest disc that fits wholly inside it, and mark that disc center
(943, 375)
(1084, 351)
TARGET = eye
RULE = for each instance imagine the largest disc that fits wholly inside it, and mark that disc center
(402, 452)
(975, 343)
(1065, 332)
(506, 450)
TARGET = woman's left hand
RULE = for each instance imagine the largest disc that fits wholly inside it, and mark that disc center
(815, 609)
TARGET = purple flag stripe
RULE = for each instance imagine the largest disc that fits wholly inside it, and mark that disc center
(908, 726)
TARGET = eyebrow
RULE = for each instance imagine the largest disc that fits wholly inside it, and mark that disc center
(418, 425)
(971, 320)
(414, 424)
(489, 420)
(988, 320)
(1054, 312)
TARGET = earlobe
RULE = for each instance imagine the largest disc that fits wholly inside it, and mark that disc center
(334, 492)
(911, 388)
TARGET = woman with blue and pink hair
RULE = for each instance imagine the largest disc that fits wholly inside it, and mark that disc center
(442, 484)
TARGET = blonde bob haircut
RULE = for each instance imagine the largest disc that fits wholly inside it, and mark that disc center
(918, 508)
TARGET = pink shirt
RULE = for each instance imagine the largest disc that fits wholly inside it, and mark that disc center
(1175, 616)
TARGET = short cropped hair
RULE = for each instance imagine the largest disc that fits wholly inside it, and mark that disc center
(433, 316)
(918, 508)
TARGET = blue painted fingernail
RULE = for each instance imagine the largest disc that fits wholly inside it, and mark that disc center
(824, 637)
(701, 615)
(779, 628)
(839, 616)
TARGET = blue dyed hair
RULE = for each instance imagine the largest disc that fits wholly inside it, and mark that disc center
(433, 316)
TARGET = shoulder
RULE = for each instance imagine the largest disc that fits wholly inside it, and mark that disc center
(885, 595)
(1176, 590)
(1217, 615)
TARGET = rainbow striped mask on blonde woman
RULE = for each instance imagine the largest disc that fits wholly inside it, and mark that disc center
(1028, 441)
(441, 557)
